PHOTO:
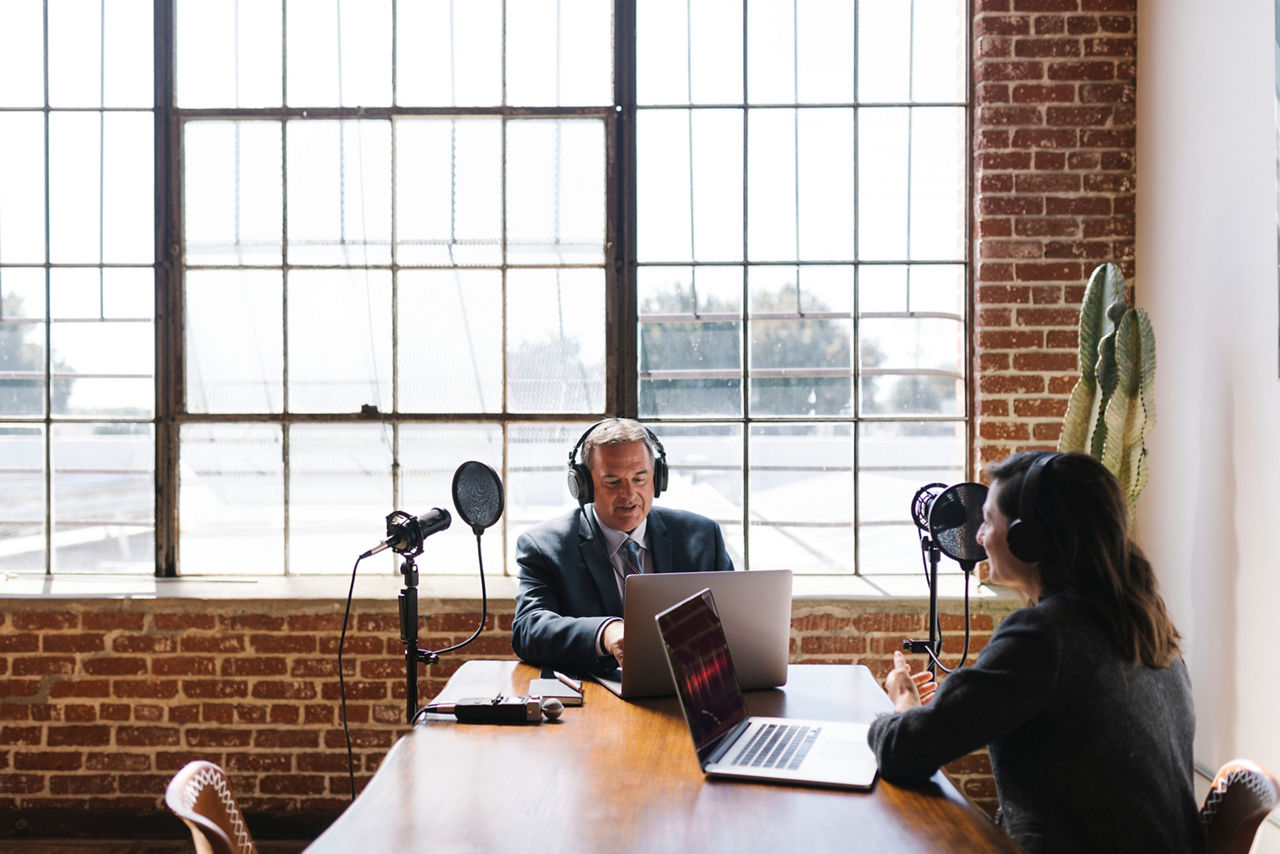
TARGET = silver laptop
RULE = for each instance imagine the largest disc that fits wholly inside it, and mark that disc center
(731, 744)
(755, 608)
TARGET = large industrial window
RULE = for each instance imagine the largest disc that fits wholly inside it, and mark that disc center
(282, 267)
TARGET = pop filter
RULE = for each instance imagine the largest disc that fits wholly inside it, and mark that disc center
(477, 494)
(954, 518)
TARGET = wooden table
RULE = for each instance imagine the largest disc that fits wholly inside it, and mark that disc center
(619, 776)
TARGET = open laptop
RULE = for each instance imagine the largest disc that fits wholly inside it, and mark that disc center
(755, 608)
(731, 744)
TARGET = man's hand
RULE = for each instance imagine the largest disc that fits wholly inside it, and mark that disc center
(611, 640)
(906, 689)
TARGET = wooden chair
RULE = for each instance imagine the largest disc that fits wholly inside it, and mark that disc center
(1240, 798)
(200, 796)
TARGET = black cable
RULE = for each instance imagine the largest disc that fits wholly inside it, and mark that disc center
(484, 608)
(342, 685)
(937, 620)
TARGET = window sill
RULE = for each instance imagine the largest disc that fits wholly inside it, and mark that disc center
(459, 588)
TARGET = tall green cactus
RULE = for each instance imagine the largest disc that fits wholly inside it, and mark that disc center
(1112, 408)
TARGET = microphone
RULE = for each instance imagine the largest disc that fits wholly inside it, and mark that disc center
(405, 533)
(499, 709)
(951, 515)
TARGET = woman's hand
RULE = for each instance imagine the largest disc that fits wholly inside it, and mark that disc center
(906, 689)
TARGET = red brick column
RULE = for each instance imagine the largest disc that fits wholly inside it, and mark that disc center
(1054, 131)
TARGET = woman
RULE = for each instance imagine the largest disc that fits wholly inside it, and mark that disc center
(1082, 698)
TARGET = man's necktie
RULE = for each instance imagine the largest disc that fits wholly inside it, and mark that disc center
(631, 556)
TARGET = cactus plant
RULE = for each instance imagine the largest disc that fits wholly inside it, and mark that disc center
(1111, 408)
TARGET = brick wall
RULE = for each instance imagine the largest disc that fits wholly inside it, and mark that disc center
(101, 701)
(1053, 133)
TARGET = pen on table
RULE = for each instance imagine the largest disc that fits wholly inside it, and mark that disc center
(572, 683)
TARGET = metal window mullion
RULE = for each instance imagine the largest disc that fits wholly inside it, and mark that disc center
(622, 380)
(169, 300)
(48, 325)
(744, 362)
(285, 432)
(855, 340)
(502, 205)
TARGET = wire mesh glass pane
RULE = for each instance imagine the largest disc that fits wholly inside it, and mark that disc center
(801, 181)
(940, 31)
(689, 166)
(104, 293)
(801, 341)
(104, 490)
(430, 456)
(128, 206)
(537, 462)
(705, 463)
(231, 499)
(232, 192)
(339, 340)
(801, 489)
(800, 52)
(690, 341)
(920, 369)
(338, 53)
(22, 54)
(559, 53)
(450, 338)
(340, 493)
(228, 54)
(938, 170)
(884, 51)
(108, 361)
(884, 139)
(923, 288)
(449, 191)
(894, 460)
(555, 192)
(235, 340)
(689, 52)
(75, 198)
(100, 197)
(22, 498)
(555, 340)
(100, 53)
(339, 192)
(22, 188)
(22, 336)
(449, 54)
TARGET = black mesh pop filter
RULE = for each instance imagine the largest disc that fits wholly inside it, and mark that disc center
(477, 494)
(954, 519)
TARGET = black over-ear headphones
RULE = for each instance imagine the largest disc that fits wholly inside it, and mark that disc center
(1027, 537)
(579, 476)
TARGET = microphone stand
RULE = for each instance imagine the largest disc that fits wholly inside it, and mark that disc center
(934, 643)
(409, 637)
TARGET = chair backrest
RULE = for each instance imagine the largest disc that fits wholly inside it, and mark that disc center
(200, 796)
(1241, 796)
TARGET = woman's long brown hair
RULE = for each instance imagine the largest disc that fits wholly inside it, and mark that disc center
(1082, 508)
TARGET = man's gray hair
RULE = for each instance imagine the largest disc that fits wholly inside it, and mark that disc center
(619, 431)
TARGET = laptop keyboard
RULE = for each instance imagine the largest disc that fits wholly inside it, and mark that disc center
(777, 746)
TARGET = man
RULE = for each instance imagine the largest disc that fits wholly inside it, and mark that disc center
(569, 603)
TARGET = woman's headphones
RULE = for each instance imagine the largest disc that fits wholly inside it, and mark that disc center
(579, 476)
(1027, 537)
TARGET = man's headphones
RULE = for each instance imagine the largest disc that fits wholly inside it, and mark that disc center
(1027, 537)
(579, 476)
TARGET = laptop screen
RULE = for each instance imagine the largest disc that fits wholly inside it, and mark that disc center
(704, 676)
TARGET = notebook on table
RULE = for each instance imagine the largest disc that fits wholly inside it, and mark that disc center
(731, 744)
(755, 608)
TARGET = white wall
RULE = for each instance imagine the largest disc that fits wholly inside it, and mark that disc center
(1206, 262)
